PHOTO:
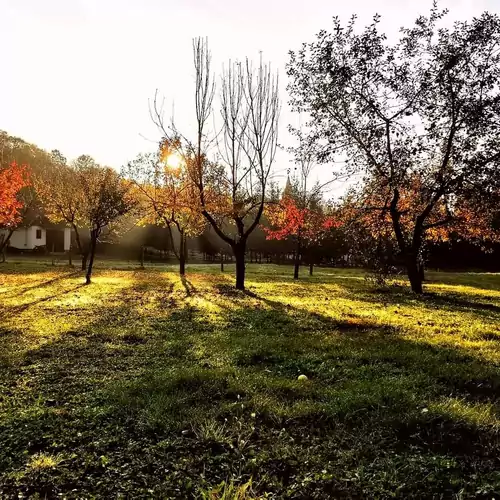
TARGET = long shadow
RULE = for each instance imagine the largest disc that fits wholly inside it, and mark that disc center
(452, 301)
(483, 281)
(66, 378)
(14, 310)
(354, 278)
(43, 284)
(381, 344)
(188, 286)
(360, 351)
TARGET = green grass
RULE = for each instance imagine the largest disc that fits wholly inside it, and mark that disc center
(144, 385)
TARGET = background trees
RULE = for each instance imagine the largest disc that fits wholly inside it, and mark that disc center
(302, 220)
(415, 124)
(300, 213)
(20, 163)
(419, 116)
(12, 179)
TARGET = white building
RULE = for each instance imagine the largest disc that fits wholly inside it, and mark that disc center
(29, 238)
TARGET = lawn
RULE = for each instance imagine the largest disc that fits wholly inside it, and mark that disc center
(144, 385)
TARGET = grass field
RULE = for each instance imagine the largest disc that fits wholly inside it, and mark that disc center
(144, 385)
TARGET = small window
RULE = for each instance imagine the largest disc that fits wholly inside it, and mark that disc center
(38, 234)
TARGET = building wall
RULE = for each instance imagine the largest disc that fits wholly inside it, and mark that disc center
(25, 238)
(37, 242)
(19, 238)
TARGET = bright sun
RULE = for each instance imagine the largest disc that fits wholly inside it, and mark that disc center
(174, 160)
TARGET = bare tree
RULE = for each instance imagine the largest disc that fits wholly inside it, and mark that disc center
(232, 188)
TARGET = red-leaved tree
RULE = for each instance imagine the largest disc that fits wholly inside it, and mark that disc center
(13, 178)
(306, 226)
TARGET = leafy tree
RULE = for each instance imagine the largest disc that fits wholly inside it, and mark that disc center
(299, 214)
(107, 199)
(13, 179)
(423, 111)
(15, 150)
(62, 196)
(477, 219)
(305, 225)
(167, 198)
(370, 232)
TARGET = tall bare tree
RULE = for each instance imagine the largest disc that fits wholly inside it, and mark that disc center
(232, 187)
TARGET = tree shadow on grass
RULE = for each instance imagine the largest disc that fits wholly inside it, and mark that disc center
(366, 381)
(15, 310)
(452, 301)
(480, 280)
(353, 283)
(65, 410)
(291, 330)
(457, 302)
(188, 286)
(43, 284)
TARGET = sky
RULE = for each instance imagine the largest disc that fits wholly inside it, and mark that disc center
(77, 74)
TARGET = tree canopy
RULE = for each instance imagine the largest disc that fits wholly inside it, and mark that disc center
(421, 112)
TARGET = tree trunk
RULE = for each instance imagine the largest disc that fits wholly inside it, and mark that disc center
(85, 256)
(415, 259)
(296, 267)
(70, 258)
(239, 255)
(182, 254)
(82, 251)
(221, 262)
(415, 274)
(311, 267)
(4, 243)
(296, 261)
(93, 244)
(409, 252)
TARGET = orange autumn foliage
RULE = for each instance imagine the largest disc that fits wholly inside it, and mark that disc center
(476, 222)
(12, 179)
(457, 216)
(287, 219)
